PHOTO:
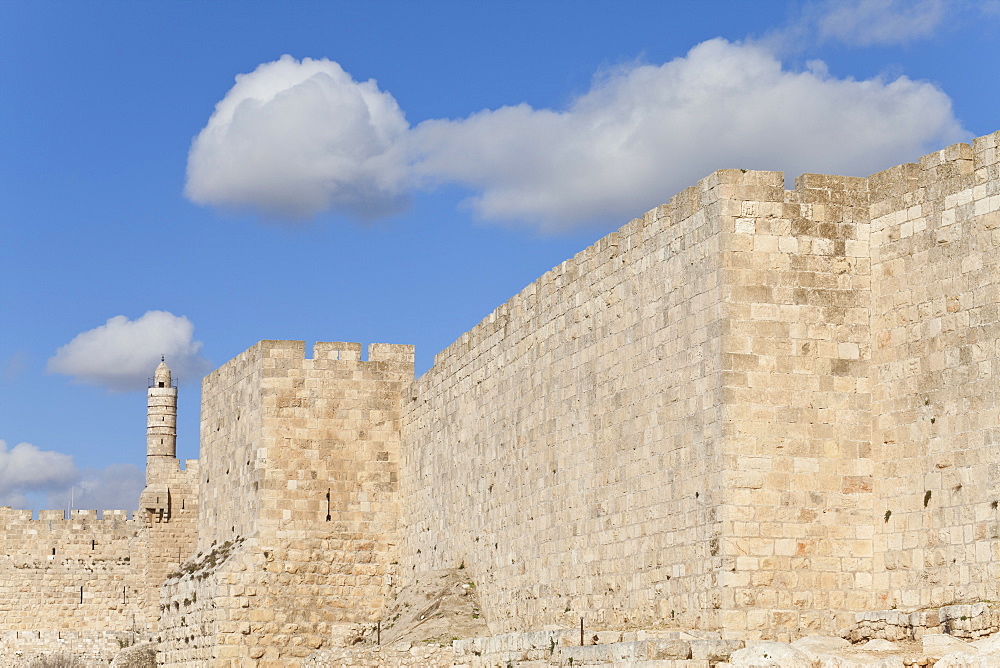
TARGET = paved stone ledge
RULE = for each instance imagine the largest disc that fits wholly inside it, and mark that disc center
(401, 654)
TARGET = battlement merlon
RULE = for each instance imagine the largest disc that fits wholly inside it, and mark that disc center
(14, 516)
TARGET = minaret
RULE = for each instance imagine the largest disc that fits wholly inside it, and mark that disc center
(161, 418)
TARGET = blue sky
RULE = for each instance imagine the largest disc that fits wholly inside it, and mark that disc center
(387, 172)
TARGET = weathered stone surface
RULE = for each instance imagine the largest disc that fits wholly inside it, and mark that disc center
(939, 644)
(714, 650)
(821, 644)
(138, 656)
(988, 645)
(879, 645)
(966, 660)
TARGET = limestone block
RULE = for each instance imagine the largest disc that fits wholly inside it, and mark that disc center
(713, 650)
(770, 654)
(821, 644)
(137, 656)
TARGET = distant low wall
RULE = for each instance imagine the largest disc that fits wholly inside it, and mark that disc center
(81, 574)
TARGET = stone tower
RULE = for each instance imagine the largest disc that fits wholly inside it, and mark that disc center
(168, 505)
(161, 417)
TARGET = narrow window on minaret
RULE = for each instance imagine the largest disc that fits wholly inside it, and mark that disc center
(327, 505)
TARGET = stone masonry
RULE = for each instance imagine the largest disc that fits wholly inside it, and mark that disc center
(299, 500)
(755, 411)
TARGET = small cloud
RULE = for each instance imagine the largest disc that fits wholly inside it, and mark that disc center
(121, 354)
(116, 487)
(294, 138)
(25, 469)
(872, 22)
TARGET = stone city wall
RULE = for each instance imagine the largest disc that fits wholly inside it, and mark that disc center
(64, 647)
(231, 432)
(567, 450)
(676, 426)
(169, 508)
(936, 354)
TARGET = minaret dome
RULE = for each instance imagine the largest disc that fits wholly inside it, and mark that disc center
(161, 377)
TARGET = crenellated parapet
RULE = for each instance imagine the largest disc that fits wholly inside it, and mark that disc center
(70, 534)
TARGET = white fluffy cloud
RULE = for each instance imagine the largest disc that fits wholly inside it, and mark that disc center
(869, 22)
(310, 140)
(31, 477)
(293, 138)
(644, 133)
(25, 469)
(121, 354)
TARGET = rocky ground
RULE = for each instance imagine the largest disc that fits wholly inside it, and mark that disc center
(671, 649)
(436, 622)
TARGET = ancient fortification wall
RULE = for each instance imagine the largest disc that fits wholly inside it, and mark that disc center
(692, 416)
(798, 468)
(543, 448)
(672, 427)
(298, 499)
(168, 508)
(88, 584)
(936, 353)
